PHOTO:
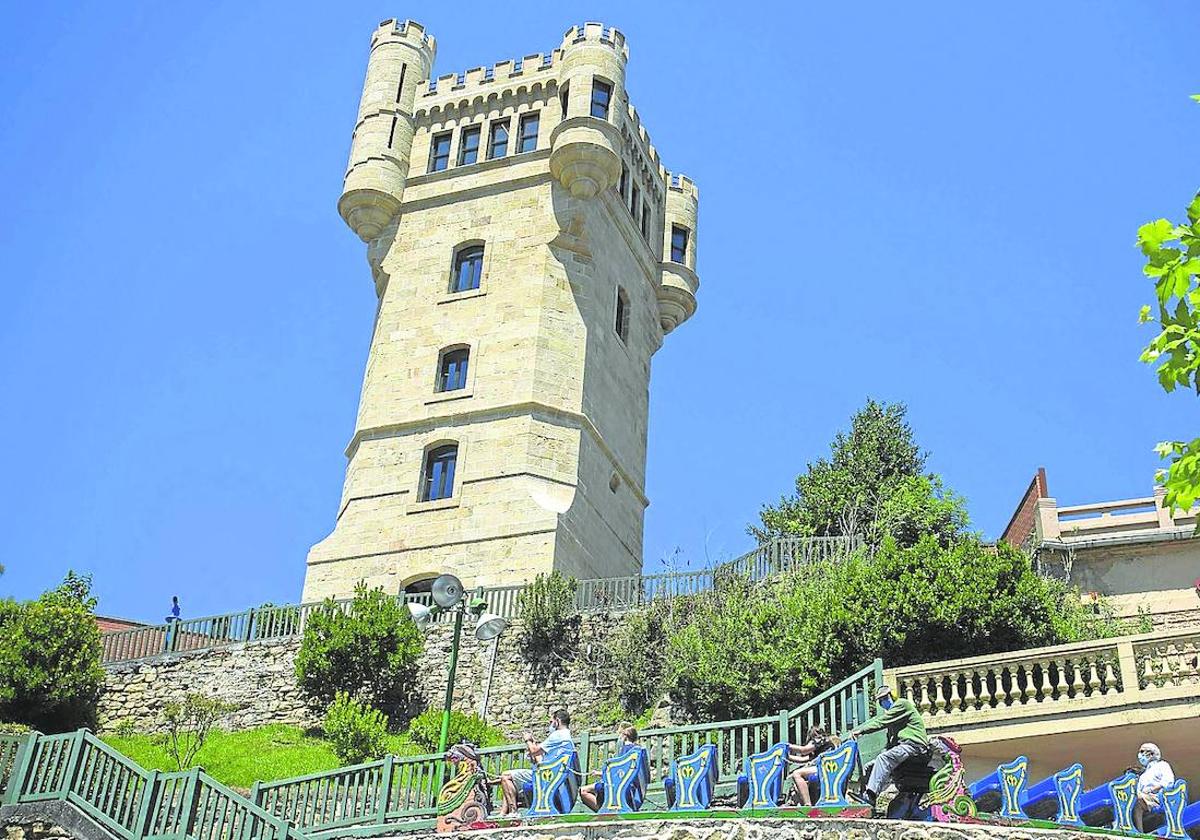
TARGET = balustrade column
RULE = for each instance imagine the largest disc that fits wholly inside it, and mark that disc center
(1131, 685)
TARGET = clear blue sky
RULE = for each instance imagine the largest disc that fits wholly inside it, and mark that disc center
(930, 202)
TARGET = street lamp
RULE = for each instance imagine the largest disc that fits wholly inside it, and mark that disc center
(448, 596)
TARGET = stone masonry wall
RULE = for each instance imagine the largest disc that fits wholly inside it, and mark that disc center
(260, 678)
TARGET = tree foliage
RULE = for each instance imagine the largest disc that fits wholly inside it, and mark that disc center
(369, 651)
(50, 674)
(1173, 261)
(873, 485)
(751, 649)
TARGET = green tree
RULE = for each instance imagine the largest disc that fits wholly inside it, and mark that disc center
(50, 674)
(873, 485)
(426, 730)
(369, 651)
(1173, 261)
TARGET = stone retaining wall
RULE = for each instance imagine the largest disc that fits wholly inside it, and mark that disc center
(260, 678)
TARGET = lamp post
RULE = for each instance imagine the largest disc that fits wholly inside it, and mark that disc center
(448, 597)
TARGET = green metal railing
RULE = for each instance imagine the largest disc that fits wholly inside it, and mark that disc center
(127, 801)
(397, 790)
(394, 794)
(281, 622)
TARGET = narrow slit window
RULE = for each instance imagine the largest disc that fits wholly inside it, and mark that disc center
(621, 322)
(623, 184)
(452, 371)
(528, 137)
(468, 145)
(498, 140)
(400, 84)
(563, 98)
(646, 222)
(635, 202)
(679, 241)
(601, 95)
(439, 152)
(438, 479)
(468, 269)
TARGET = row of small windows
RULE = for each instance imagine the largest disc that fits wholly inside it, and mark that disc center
(498, 137)
(639, 209)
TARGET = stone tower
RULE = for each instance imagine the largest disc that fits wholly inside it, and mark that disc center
(529, 253)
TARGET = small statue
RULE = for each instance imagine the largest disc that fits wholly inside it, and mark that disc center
(465, 801)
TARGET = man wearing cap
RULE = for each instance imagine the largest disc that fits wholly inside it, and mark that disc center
(906, 738)
(1156, 775)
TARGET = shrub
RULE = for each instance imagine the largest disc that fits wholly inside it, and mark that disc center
(426, 729)
(634, 659)
(369, 651)
(809, 628)
(186, 724)
(549, 623)
(50, 674)
(357, 732)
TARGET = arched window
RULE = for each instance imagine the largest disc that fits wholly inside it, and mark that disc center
(468, 268)
(452, 369)
(437, 480)
(621, 324)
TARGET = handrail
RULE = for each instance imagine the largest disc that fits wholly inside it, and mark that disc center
(123, 798)
(287, 621)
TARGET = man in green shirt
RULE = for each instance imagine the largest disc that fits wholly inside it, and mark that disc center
(906, 738)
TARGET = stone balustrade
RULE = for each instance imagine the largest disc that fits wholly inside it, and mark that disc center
(1073, 678)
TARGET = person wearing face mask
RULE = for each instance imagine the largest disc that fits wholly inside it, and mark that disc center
(511, 781)
(1155, 775)
(906, 738)
(593, 794)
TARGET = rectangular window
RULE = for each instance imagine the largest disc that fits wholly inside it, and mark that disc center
(624, 182)
(563, 98)
(498, 141)
(635, 202)
(468, 269)
(438, 481)
(621, 323)
(601, 94)
(468, 145)
(439, 152)
(646, 222)
(528, 133)
(679, 238)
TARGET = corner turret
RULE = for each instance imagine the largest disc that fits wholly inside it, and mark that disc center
(585, 150)
(677, 290)
(401, 57)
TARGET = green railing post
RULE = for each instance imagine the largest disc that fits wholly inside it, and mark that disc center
(385, 787)
(73, 761)
(187, 803)
(785, 734)
(585, 748)
(20, 769)
(248, 634)
(145, 807)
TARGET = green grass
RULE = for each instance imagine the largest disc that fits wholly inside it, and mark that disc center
(239, 759)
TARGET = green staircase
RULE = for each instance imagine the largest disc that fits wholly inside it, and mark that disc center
(390, 796)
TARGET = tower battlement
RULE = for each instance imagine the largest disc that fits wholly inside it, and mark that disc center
(599, 33)
(408, 30)
(681, 183)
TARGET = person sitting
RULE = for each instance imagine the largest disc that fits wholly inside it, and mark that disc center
(627, 736)
(1155, 775)
(806, 756)
(174, 616)
(906, 738)
(511, 781)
